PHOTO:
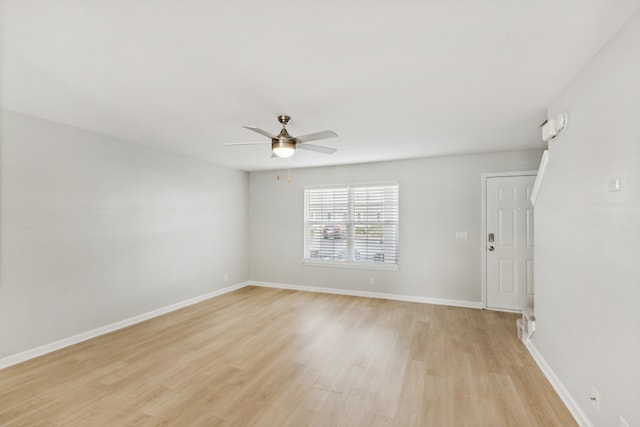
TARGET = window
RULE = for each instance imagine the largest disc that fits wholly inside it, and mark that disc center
(352, 224)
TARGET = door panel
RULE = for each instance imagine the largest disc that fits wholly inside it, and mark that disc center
(506, 227)
(507, 276)
(530, 227)
(530, 277)
(510, 264)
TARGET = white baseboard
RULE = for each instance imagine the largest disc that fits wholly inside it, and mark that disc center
(65, 342)
(577, 412)
(380, 295)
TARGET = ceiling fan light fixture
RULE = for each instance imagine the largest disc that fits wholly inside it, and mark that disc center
(283, 149)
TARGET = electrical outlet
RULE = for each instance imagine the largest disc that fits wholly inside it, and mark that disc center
(372, 281)
(623, 422)
(226, 276)
(595, 398)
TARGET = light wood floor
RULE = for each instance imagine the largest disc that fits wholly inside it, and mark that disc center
(274, 358)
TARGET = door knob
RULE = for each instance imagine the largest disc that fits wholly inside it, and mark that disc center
(491, 248)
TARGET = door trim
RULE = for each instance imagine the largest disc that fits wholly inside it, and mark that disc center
(483, 226)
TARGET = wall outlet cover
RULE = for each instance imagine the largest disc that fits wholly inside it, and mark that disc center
(595, 398)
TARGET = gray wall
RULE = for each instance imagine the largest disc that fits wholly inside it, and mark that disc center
(95, 230)
(438, 196)
(588, 239)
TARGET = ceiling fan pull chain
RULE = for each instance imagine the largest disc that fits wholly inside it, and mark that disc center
(278, 176)
(289, 180)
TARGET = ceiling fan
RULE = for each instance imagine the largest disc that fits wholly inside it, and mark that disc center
(284, 145)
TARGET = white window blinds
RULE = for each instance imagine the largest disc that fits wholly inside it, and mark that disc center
(326, 223)
(352, 224)
(374, 223)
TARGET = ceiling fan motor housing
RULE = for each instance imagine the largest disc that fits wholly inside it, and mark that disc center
(284, 140)
(282, 143)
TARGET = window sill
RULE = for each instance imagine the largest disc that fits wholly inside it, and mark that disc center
(361, 266)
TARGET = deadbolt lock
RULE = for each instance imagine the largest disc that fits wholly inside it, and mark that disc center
(491, 238)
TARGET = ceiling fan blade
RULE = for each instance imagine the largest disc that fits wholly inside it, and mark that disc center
(319, 149)
(260, 131)
(248, 143)
(315, 136)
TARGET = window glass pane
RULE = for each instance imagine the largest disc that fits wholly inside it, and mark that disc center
(327, 241)
(375, 243)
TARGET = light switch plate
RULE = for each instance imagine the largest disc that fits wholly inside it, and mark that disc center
(462, 235)
(614, 184)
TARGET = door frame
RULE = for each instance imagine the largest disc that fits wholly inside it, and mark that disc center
(483, 226)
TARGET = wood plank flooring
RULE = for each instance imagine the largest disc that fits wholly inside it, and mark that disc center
(268, 357)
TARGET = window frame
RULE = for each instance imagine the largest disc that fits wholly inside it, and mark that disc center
(349, 262)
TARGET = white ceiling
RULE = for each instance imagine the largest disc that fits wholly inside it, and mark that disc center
(395, 79)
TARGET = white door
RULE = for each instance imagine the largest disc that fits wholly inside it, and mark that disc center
(509, 242)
